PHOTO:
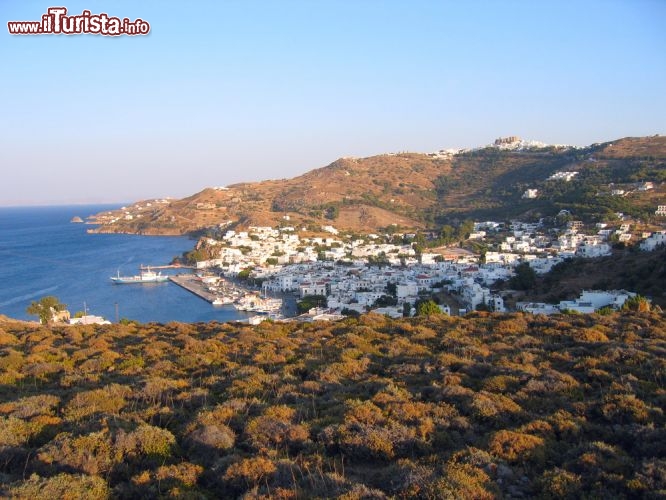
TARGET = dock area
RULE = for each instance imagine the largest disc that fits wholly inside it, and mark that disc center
(193, 284)
(168, 266)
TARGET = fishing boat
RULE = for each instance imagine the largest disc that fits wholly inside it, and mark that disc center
(145, 276)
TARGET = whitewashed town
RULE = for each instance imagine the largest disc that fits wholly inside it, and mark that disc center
(385, 274)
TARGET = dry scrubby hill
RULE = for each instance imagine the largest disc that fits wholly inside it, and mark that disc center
(641, 272)
(420, 190)
(485, 406)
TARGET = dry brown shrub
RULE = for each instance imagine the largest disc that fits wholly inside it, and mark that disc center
(401, 346)
(159, 389)
(212, 437)
(111, 399)
(11, 359)
(277, 429)
(538, 427)
(565, 424)
(488, 405)
(65, 486)
(251, 381)
(550, 382)
(38, 335)
(249, 472)
(92, 453)
(43, 404)
(41, 369)
(594, 334)
(184, 472)
(391, 394)
(599, 458)
(312, 387)
(8, 338)
(151, 440)
(423, 333)
(351, 369)
(624, 409)
(560, 484)
(516, 446)
(268, 354)
(225, 412)
(364, 412)
(463, 480)
(14, 431)
(501, 383)
(511, 326)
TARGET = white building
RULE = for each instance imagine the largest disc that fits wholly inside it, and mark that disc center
(531, 193)
(89, 319)
(495, 303)
(405, 290)
(592, 300)
(307, 288)
(430, 258)
(593, 249)
(367, 298)
(424, 282)
(392, 311)
(542, 265)
(653, 241)
(563, 176)
(537, 307)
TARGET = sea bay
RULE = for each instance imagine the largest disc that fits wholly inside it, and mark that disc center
(43, 253)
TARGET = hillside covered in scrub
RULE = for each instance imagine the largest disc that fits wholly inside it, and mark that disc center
(485, 406)
(416, 191)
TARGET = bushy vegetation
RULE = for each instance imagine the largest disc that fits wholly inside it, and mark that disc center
(641, 272)
(45, 308)
(486, 406)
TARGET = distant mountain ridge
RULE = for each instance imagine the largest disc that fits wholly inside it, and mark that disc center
(419, 190)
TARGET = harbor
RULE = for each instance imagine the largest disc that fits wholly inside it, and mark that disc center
(195, 285)
(225, 293)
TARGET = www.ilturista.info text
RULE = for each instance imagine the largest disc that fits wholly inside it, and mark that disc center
(56, 21)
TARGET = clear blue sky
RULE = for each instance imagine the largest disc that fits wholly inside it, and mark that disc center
(227, 91)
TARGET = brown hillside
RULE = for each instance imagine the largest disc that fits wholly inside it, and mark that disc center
(638, 147)
(411, 190)
(368, 193)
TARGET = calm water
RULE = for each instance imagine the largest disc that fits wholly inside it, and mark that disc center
(43, 253)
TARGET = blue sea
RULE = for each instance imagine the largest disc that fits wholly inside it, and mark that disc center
(42, 253)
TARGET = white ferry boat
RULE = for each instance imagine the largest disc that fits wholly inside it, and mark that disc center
(146, 276)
